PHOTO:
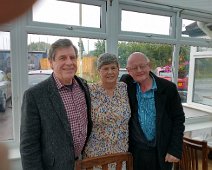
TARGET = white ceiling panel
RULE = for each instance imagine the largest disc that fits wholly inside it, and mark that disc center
(197, 5)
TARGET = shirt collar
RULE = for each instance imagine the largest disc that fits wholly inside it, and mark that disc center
(60, 85)
(154, 85)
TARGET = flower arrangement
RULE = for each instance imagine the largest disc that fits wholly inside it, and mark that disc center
(182, 71)
(167, 69)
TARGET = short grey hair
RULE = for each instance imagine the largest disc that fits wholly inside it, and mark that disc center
(61, 43)
(105, 59)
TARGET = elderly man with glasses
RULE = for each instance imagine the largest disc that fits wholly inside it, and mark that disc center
(157, 121)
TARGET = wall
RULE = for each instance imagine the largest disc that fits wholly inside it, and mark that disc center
(16, 164)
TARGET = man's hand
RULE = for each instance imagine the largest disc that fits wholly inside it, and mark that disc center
(170, 158)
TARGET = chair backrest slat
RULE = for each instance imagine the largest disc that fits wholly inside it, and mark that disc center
(116, 160)
(192, 151)
(105, 167)
(119, 165)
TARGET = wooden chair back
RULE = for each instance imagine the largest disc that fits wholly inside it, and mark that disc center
(193, 152)
(105, 160)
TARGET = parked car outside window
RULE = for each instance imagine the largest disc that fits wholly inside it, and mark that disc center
(121, 72)
(36, 76)
(182, 83)
(5, 90)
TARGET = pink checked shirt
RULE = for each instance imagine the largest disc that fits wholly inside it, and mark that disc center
(75, 105)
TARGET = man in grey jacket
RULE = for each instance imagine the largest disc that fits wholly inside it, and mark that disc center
(55, 120)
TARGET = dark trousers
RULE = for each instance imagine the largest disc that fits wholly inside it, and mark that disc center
(145, 159)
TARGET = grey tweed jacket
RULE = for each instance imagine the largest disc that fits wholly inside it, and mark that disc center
(46, 141)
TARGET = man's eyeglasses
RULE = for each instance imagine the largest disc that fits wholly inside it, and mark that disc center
(140, 67)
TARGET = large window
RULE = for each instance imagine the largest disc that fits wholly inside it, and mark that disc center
(6, 116)
(68, 13)
(198, 31)
(141, 23)
(38, 64)
(201, 79)
(160, 55)
(202, 91)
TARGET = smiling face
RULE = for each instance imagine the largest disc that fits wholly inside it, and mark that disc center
(138, 67)
(109, 73)
(64, 64)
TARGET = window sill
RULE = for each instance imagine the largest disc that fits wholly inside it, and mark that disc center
(198, 126)
(196, 117)
(14, 154)
(198, 107)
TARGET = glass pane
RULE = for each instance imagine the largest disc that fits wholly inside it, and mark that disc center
(6, 116)
(160, 56)
(195, 29)
(146, 23)
(182, 82)
(202, 91)
(38, 64)
(69, 13)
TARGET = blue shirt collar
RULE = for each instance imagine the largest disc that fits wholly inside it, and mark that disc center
(154, 85)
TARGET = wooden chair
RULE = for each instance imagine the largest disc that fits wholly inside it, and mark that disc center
(103, 161)
(193, 152)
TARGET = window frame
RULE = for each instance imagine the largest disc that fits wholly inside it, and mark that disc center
(147, 10)
(196, 55)
(196, 41)
(16, 50)
(64, 29)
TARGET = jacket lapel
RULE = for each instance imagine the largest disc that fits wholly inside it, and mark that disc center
(58, 105)
(160, 100)
(132, 90)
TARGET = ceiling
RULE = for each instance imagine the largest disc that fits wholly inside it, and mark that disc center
(197, 5)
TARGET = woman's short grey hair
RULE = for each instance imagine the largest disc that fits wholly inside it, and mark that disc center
(61, 43)
(105, 59)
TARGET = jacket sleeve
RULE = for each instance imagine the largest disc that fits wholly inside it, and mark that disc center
(178, 119)
(30, 145)
(124, 78)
